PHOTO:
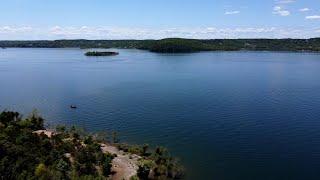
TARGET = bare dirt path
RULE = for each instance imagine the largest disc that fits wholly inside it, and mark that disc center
(124, 165)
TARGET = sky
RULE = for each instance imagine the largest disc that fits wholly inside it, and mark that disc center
(157, 19)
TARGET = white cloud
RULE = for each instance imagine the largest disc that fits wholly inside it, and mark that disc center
(231, 12)
(313, 17)
(56, 30)
(277, 8)
(10, 29)
(304, 9)
(284, 1)
(199, 33)
(72, 31)
(280, 11)
(89, 32)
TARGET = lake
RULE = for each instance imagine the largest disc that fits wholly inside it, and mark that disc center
(226, 115)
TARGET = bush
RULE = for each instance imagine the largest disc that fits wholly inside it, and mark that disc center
(26, 155)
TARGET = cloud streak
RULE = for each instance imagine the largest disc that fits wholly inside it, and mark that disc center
(231, 12)
(304, 9)
(280, 11)
(9, 29)
(87, 32)
(313, 17)
(285, 1)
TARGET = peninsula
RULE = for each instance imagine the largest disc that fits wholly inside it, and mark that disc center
(30, 151)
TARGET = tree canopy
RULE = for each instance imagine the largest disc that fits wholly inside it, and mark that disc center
(28, 155)
(29, 151)
(177, 45)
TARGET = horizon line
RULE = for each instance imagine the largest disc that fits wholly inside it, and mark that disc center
(78, 39)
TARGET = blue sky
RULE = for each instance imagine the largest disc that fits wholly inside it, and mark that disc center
(154, 19)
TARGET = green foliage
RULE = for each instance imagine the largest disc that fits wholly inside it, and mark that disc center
(134, 178)
(160, 162)
(36, 121)
(162, 166)
(63, 166)
(102, 136)
(106, 164)
(115, 137)
(145, 149)
(96, 53)
(178, 45)
(41, 171)
(27, 155)
(69, 154)
(61, 129)
(143, 172)
(7, 117)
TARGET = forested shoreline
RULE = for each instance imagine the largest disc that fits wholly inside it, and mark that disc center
(178, 45)
(30, 151)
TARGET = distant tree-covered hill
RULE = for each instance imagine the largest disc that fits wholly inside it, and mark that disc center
(177, 45)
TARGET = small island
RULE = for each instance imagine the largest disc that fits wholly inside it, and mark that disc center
(105, 53)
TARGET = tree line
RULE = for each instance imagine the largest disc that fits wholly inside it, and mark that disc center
(26, 152)
(178, 45)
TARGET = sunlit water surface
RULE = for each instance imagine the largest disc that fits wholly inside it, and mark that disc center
(226, 115)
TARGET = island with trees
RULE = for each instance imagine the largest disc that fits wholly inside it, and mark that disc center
(30, 151)
(178, 45)
(101, 53)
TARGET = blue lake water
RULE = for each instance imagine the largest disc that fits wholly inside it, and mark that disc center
(226, 115)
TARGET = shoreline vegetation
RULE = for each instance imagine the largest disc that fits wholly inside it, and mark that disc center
(101, 53)
(30, 151)
(178, 45)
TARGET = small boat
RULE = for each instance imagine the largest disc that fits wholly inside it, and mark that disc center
(73, 107)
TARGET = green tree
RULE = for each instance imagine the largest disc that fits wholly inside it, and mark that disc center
(41, 172)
